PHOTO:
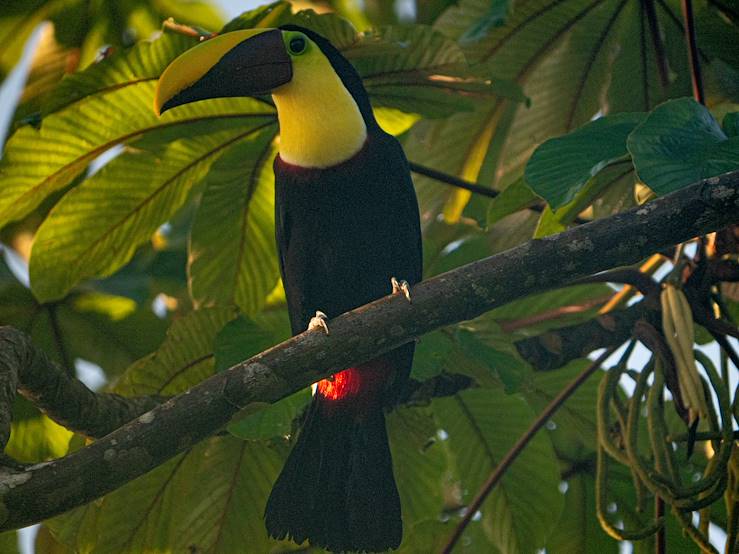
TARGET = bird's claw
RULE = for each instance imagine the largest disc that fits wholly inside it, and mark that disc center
(318, 322)
(401, 286)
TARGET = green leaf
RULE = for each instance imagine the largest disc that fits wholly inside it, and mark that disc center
(34, 437)
(482, 425)
(419, 463)
(513, 198)
(209, 499)
(511, 370)
(76, 30)
(415, 69)
(142, 63)
(88, 234)
(239, 340)
(548, 224)
(232, 255)
(679, 144)
(39, 162)
(432, 352)
(184, 359)
(560, 167)
(613, 175)
(576, 418)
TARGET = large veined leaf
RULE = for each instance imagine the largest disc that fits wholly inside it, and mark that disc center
(680, 143)
(232, 254)
(576, 417)
(573, 58)
(209, 499)
(39, 162)
(417, 70)
(561, 166)
(495, 17)
(98, 226)
(433, 536)
(482, 425)
(185, 358)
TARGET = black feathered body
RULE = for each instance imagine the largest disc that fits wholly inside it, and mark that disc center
(342, 233)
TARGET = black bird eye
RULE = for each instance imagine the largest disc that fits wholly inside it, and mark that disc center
(297, 45)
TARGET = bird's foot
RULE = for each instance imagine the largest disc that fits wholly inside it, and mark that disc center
(319, 322)
(401, 286)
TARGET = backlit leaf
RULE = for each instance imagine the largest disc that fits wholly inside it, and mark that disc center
(209, 499)
(184, 359)
(232, 254)
(98, 226)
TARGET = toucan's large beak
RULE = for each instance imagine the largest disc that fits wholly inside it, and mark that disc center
(239, 63)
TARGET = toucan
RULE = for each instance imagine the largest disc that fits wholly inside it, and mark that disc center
(347, 232)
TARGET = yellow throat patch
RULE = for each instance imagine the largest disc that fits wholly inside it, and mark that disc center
(320, 123)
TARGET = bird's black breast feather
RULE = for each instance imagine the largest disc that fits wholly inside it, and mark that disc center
(343, 232)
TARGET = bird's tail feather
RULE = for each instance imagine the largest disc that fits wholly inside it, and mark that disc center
(337, 487)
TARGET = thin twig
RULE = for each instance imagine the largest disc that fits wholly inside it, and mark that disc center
(510, 325)
(454, 181)
(695, 69)
(521, 443)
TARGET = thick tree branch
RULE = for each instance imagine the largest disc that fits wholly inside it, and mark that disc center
(47, 489)
(556, 348)
(64, 398)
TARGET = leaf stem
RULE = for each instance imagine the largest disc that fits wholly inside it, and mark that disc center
(517, 448)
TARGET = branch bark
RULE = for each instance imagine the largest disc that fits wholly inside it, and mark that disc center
(44, 490)
(52, 389)
(556, 348)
